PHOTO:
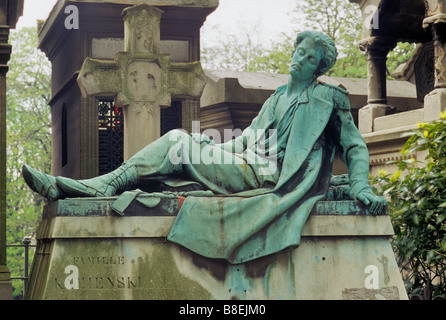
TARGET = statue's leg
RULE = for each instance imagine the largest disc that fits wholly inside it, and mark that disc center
(224, 172)
(174, 153)
(152, 161)
(160, 158)
(106, 185)
(215, 169)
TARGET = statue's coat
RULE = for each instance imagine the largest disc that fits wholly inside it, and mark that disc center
(248, 225)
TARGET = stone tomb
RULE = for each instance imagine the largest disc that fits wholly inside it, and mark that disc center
(161, 43)
(87, 250)
(142, 77)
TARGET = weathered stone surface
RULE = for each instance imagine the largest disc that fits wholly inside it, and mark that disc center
(368, 114)
(5, 289)
(399, 120)
(384, 24)
(161, 3)
(108, 256)
(435, 102)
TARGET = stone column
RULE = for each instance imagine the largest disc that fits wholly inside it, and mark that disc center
(377, 49)
(435, 102)
(5, 52)
(10, 11)
(190, 113)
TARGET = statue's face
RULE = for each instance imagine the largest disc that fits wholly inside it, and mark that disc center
(305, 60)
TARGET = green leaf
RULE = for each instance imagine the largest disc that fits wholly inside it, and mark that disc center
(430, 255)
(441, 218)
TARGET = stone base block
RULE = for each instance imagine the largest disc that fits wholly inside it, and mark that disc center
(369, 113)
(5, 290)
(107, 256)
(434, 103)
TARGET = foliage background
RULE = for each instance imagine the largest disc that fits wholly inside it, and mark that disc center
(28, 140)
(417, 202)
(339, 19)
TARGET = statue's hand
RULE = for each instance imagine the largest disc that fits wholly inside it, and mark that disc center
(376, 203)
(200, 138)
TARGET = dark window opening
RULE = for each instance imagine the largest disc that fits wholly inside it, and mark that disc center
(171, 117)
(111, 136)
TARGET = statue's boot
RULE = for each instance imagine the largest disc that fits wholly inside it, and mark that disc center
(106, 185)
(42, 183)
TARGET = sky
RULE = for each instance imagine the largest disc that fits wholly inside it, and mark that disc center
(267, 17)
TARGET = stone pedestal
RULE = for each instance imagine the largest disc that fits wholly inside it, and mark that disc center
(5, 283)
(434, 103)
(368, 114)
(87, 251)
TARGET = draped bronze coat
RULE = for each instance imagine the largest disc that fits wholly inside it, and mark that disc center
(252, 224)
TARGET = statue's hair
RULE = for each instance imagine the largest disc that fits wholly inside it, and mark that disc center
(326, 43)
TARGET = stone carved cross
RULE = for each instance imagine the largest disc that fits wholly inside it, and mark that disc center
(142, 78)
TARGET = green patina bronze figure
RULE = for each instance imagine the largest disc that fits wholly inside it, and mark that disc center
(263, 184)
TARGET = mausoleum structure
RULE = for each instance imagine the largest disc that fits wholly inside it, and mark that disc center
(97, 94)
(385, 23)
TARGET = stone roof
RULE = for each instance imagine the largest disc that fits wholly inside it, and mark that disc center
(256, 87)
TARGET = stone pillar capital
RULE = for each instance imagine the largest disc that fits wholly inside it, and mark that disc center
(434, 20)
(377, 45)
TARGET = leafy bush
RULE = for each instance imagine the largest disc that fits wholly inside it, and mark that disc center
(417, 204)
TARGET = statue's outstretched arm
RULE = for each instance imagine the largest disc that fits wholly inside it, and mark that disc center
(356, 156)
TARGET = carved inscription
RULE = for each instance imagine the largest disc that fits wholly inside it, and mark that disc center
(82, 275)
(98, 260)
(106, 283)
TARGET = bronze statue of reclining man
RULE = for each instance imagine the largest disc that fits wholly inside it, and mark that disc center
(264, 185)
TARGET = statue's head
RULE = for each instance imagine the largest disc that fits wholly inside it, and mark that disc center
(326, 43)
